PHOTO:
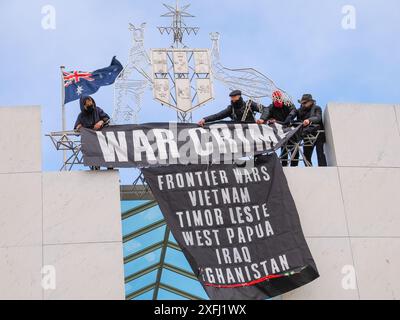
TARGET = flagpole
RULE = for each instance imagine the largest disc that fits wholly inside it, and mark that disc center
(63, 117)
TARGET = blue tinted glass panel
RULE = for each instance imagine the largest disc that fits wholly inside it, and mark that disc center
(144, 241)
(141, 282)
(142, 263)
(183, 283)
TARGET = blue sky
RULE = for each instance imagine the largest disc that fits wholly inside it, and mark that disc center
(300, 44)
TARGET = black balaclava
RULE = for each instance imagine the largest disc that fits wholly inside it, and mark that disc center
(92, 107)
(88, 118)
(238, 104)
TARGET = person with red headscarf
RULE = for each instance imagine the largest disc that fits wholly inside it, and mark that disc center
(280, 111)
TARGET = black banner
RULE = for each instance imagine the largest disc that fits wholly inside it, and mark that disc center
(160, 144)
(237, 226)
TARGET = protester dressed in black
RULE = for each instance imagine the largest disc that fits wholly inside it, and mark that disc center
(91, 116)
(237, 111)
(310, 114)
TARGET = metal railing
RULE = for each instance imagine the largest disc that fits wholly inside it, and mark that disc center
(68, 142)
(293, 151)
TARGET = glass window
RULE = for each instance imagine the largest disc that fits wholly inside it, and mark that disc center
(172, 257)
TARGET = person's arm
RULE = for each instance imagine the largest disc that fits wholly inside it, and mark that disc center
(257, 107)
(265, 116)
(292, 114)
(104, 118)
(219, 116)
(316, 118)
(78, 124)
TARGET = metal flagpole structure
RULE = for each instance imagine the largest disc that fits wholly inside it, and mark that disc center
(66, 141)
(63, 113)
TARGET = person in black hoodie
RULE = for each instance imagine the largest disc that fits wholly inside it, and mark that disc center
(310, 114)
(236, 111)
(91, 116)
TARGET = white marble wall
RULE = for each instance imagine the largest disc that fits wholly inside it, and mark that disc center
(363, 135)
(82, 235)
(20, 142)
(68, 221)
(349, 212)
(20, 203)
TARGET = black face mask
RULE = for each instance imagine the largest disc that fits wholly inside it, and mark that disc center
(238, 104)
(89, 109)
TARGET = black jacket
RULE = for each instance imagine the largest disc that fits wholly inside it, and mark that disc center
(314, 114)
(89, 119)
(282, 115)
(236, 112)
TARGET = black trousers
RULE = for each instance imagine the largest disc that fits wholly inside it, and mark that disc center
(309, 150)
(285, 155)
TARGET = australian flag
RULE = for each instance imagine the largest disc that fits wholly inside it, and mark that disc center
(78, 83)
